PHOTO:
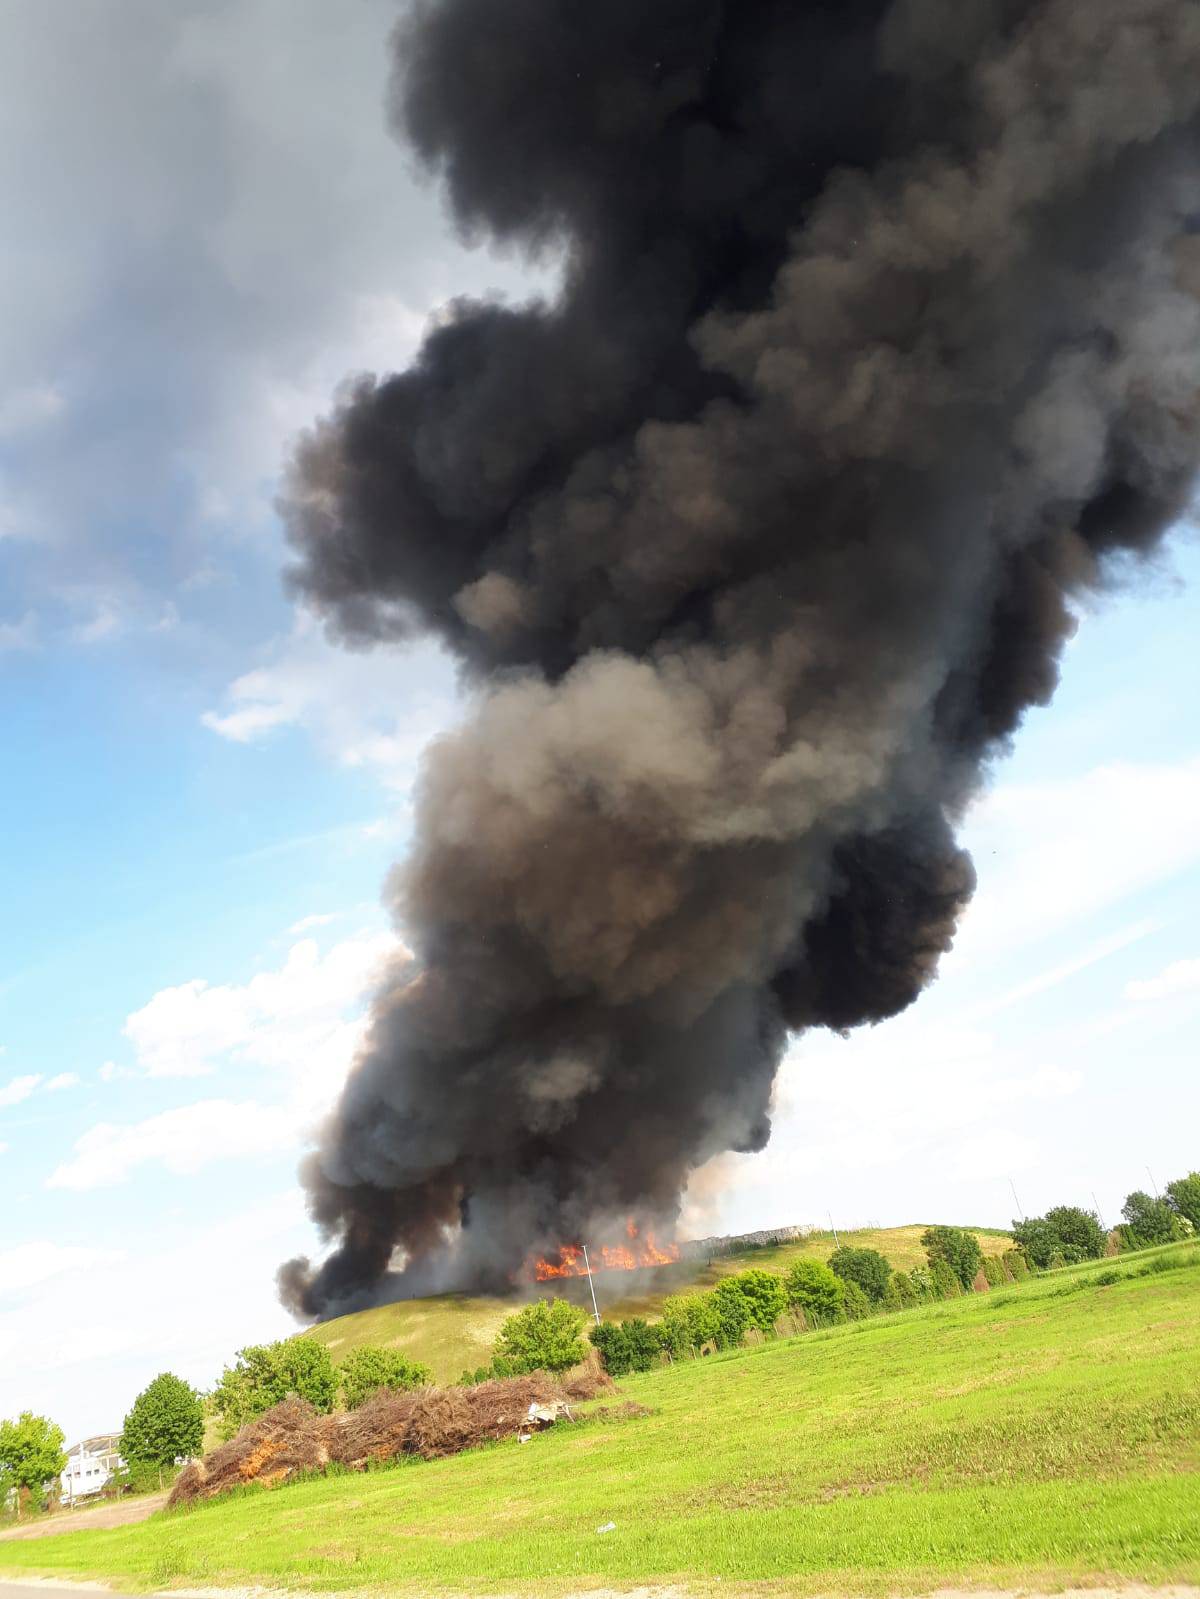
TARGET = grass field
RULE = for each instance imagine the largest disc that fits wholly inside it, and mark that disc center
(451, 1333)
(1031, 1437)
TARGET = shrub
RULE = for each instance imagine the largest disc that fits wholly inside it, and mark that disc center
(1183, 1196)
(1078, 1231)
(165, 1424)
(365, 1371)
(866, 1267)
(922, 1283)
(1076, 1234)
(858, 1305)
(944, 1279)
(644, 1342)
(1016, 1265)
(689, 1321)
(817, 1291)
(627, 1346)
(904, 1289)
(764, 1293)
(544, 1336)
(958, 1248)
(265, 1374)
(993, 1270)
(1057, 1260)
(1148, 1222)
(733, 1313)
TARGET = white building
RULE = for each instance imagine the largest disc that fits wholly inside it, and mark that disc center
(90, 1465)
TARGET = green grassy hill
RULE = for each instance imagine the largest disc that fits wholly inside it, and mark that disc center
(1028, 1438)
(453, 1332)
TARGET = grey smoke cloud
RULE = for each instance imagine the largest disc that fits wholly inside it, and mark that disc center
(876, 342)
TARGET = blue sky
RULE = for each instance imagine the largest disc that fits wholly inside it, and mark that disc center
(202, 797)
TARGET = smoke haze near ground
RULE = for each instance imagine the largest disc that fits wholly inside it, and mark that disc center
(877, 340)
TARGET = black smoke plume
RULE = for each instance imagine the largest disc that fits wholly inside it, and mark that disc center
(877, 340)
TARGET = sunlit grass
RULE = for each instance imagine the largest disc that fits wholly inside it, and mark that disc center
(1038, 1435)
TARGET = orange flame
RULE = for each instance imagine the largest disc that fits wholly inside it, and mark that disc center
(640, 1251)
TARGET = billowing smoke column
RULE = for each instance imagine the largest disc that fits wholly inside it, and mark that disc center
(878, 338)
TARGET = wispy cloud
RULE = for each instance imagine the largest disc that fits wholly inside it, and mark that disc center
(1181, 977)
(18, 1089)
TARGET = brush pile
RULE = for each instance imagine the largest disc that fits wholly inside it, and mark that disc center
(292, 1439)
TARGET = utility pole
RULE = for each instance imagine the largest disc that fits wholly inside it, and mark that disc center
(591, 1284)
(1099, 1217)
(1153, 1184)
(1016, 1201)
(836, 1243)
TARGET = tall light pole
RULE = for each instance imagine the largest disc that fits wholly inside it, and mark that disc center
(836, 1243)
(591, 1284)
(1016, 1201)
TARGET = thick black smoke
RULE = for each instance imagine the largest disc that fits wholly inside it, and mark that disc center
(878, 338)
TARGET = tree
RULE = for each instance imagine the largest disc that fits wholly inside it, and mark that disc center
(166, 1424)
(544, 1336)
(866, 1267)
(1149, 1222)
(628, 1345)
(365, 1371)
(1183, 1196)
(265, 1374)
(1016, 1263)
(817, 1291)
(31, 1454)
(957, 1247)
(764, 1293)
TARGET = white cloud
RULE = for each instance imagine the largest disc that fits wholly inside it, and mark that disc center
(27, 1265)
(1070, 848)
(376, 709)
(25, 410)
(303, 1017)
(110, 1072)
(103, 626)
(183, 1299)
(63, 1080)
(183, 1141)
(307, 923)
(1181, 977)
(18, 1089)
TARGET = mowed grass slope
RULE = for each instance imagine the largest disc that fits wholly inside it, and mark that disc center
(453, 1333)
(1031, 1437)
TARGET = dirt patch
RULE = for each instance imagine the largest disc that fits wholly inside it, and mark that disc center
(119, 1513)
(293, 1440)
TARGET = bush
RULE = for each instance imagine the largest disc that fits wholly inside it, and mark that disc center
(1075, 1234)
(365, 1371)
(627, 1346)
(1149, 1222)
(812, 1288)
(733, 1312)
(993, 1270)
(1057, 1260)
(858, 1305)
(1016, 1265)
(958, 1248)
(544, 1336)
(904, 1289)
(866, 1267)
(922, 1283)
(689, 1321)
(765, 1295)
(945, 1280)
(266, 1374)
(1183, 1196)
(165, 1424)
